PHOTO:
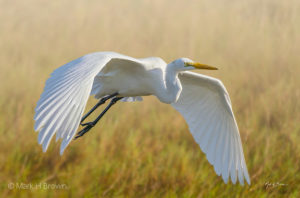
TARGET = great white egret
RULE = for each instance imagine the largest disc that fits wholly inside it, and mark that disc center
(202, 100)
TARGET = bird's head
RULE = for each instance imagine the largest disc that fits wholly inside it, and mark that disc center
(184, 64)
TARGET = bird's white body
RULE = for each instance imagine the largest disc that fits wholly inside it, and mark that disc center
(120, 76)
(133, 77)
(203, 101)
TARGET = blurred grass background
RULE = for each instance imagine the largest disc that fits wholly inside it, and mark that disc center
(141, 149)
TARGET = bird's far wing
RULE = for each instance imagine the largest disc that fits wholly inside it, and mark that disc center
(61, 105)
(206, 107)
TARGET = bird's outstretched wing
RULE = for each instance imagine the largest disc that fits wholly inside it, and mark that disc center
(61, 105)
(206, 107)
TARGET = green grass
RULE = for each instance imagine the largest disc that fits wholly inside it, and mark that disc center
(144, 148)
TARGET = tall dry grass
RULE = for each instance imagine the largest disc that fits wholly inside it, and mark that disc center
(141, 149)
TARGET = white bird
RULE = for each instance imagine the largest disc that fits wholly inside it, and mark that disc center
(202, 100)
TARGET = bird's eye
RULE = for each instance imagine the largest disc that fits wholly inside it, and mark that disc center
(186, 64)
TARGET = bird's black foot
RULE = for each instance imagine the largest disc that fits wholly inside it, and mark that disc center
(88, 124)
(87, 127)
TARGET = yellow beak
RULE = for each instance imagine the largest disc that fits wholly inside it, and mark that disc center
(201, 66)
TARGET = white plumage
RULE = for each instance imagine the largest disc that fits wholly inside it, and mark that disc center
(203, 101)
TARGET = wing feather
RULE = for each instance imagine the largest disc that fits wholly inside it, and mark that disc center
(206, 107)
(211, 147)
(61, 105)
(226, 160)
(220, 148)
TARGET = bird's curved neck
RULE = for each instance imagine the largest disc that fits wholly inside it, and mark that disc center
(172, 85)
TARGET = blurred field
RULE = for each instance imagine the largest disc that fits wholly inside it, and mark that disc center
(141, 149)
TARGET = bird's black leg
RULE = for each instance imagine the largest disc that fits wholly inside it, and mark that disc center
(102, 101)
(90, 125)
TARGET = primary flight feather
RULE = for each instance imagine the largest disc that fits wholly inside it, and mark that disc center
(202, 100)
